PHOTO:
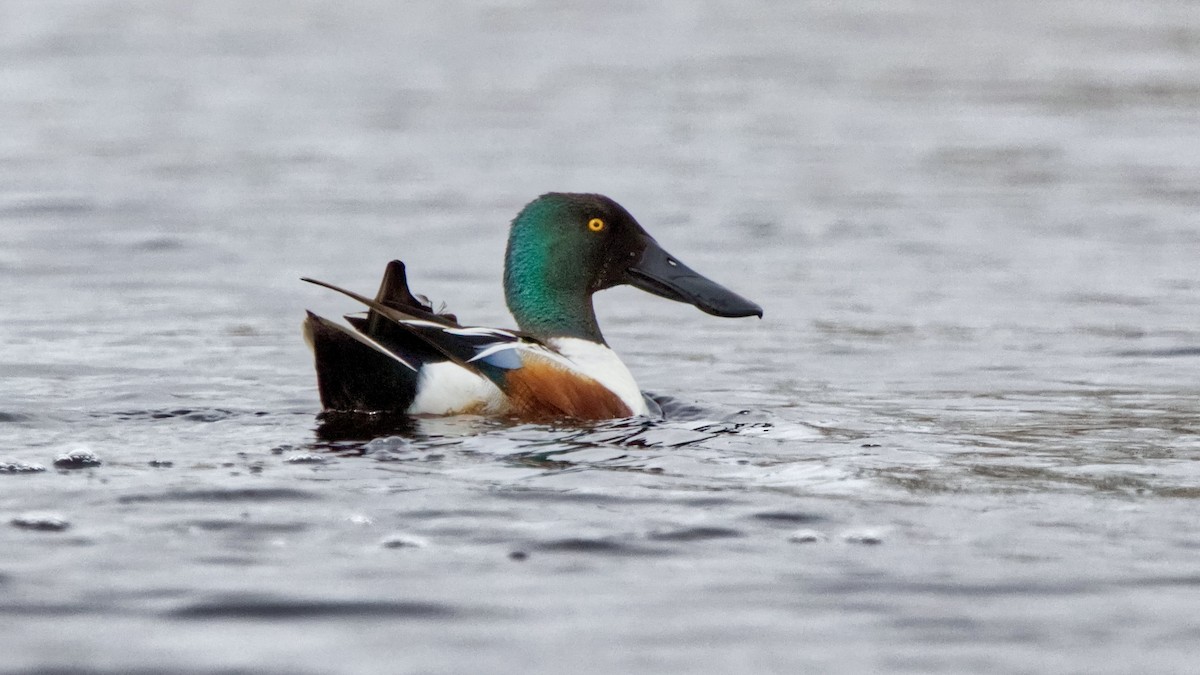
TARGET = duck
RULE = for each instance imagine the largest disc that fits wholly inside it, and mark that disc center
(403, 356)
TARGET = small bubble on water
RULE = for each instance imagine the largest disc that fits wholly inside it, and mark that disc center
(403, 541)
(42, 522)
(807, 537)
(743, 417)
(865, 537)
(305, 458)
(387, 444)
(392, 449)
(77, 459)
(20, 467)
(360, 519)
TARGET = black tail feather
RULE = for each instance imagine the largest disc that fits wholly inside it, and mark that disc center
(377, 367)
(394, 293)
(461, 351)
(354, 376)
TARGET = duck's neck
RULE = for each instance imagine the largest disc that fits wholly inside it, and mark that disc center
(548, 304)
(545, 313)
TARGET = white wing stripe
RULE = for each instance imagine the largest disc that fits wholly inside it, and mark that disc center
(494, 349)
(476, 331)
(364, 338)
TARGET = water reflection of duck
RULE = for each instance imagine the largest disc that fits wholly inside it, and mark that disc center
(562, 248)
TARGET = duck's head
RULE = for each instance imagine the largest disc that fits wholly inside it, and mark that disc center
(564, 247)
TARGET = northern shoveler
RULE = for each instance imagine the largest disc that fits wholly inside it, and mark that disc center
(405, 357)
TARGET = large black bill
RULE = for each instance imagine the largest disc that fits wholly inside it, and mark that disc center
(658, 272)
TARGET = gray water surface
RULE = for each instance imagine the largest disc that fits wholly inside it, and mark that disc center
(964, 438)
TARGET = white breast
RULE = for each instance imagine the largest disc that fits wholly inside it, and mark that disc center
(602, 364)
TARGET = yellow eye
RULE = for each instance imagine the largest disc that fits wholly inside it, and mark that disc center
(595, 224)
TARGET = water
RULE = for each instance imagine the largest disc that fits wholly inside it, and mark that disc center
(963, 438)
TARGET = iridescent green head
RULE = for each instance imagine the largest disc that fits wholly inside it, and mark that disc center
(564, 247)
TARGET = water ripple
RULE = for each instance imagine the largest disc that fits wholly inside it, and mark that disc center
(268, 608)
(597, 546)
(222, 495)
